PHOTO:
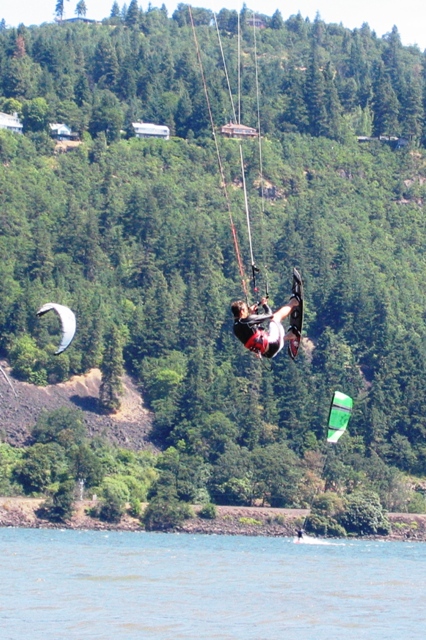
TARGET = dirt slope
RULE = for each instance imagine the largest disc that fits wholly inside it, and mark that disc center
(130, 427)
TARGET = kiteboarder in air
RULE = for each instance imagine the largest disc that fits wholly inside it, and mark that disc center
(262, 342)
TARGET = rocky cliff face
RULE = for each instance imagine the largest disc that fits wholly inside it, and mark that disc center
(130, 427)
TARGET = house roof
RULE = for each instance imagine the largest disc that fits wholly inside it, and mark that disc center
(56, 126)
(148, 125)
(242, 128)
(80, 19)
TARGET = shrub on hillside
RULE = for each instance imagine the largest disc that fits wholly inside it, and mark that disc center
(59, 506)
(164, 513)
(324, 526)
(114, 498)
(208, 511)
(364, 515)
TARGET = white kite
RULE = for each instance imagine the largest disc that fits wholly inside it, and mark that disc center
(68, 323)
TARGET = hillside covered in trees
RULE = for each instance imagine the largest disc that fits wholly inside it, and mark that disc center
(134, 236)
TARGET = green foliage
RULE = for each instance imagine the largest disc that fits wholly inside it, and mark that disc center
(250, 521)
(208, 511)
(59, 507)
(364, 515)
(107, 116)
(40, 466)
(410, 526)
(416, 503)
(36, 115)
(235, 491)
(115, 496)
(181, 473)
(64, 426)
(112, 369)
(276, 475)
(26, 360)
(135, 508)
(86, 465)
(137, 489)
(325, 526)
(165, 512)
(9, 460)
(328, 504)
(8, 145)
(230, 482)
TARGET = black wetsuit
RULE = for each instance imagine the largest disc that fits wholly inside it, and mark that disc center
(248, 331)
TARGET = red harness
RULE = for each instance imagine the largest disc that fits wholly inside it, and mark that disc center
(258, 342)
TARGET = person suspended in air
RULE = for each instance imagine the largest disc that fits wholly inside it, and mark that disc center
(249, 330)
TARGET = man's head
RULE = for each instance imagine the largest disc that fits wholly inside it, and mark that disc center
(239, 309)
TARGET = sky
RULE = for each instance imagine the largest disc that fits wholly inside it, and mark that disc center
(408, 15)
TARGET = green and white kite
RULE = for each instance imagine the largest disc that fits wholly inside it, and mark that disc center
(339, 416)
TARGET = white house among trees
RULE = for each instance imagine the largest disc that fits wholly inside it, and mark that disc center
(10, 122)
(60, 131)
(149, 130)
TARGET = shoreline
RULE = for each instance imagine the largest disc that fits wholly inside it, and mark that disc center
(248, 521)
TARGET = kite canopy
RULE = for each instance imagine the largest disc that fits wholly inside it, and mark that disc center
(68, 323)
(339, 416)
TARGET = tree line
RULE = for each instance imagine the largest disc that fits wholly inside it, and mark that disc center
(314, 78)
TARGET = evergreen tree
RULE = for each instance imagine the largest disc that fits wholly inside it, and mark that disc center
(115, 10)
(332, 104)
(227, 20)
(36, 115)
(412, 114)
(385, 105)
(359, 69)
(277, 21)
(126, 84)
(59, 9)
(315, 95)
(132, 15)
(82, 90)
(296, 111)
(20, 78)
(81, 8)
(112, 370)
(59, 507)
(107, 116)
(392, 61)
(106, 66)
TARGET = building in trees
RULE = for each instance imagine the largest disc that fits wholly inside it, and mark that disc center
(149, 130)
(81, 18)
(238, 131)
(61, 132)
(10, 122)
(257, 22)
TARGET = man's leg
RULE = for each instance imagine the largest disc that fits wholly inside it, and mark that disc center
(286, 310)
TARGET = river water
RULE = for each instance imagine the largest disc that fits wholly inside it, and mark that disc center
(116, 586)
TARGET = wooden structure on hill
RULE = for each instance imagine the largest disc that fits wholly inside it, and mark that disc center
(257, 22)
(232, 130)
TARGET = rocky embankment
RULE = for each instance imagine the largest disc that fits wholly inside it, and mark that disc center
(250, 521)
(21, 407)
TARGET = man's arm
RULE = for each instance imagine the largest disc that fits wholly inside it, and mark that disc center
(255, 318)
(266, 307)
